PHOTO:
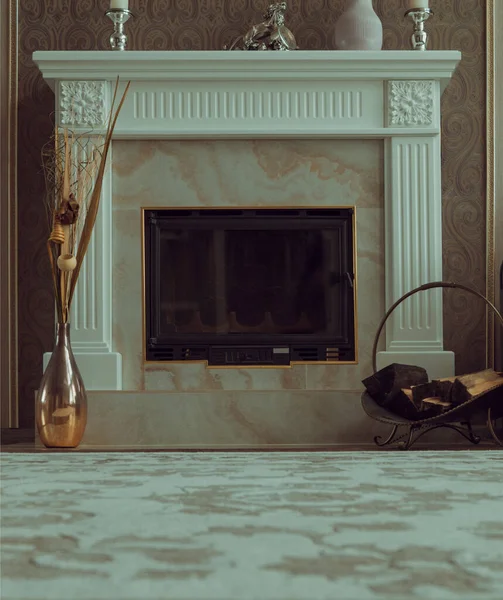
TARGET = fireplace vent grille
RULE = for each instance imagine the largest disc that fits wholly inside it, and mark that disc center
(164, 354)
(178, 353)
(321, 354)
(243, 355)
(332, 354)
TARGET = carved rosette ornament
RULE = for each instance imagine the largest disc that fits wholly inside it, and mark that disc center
(410, 103)
(82, 103)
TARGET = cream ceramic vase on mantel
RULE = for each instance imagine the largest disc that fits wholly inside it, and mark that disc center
(359, 27)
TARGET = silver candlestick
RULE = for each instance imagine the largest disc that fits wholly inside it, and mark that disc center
(419, 38)
(119, 16)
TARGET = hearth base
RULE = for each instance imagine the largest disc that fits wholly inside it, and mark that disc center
(231, 420)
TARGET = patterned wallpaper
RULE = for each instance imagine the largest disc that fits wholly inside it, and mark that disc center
(208, 25)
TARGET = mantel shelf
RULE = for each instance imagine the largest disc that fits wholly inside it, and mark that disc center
(242, 66)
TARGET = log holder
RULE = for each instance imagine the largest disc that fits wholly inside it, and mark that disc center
(457, 418)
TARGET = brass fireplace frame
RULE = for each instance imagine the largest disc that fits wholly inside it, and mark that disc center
(143, 209)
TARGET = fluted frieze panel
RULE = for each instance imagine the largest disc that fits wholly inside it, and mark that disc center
(291, 104)
(162, 109)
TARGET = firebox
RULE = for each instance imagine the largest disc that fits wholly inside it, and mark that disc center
(250, 287)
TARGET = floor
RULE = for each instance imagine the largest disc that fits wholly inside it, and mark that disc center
(345, 525)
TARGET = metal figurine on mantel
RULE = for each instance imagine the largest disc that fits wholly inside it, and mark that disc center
(118, 39)
(419, 37)
(270, 34)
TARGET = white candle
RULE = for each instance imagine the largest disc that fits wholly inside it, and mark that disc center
(411, 4)
(123, 4)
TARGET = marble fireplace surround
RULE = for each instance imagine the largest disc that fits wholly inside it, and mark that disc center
(212, 100)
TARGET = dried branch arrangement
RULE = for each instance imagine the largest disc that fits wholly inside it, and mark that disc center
(74, 167)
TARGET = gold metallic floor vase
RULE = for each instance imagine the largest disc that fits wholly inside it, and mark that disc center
(61, 403)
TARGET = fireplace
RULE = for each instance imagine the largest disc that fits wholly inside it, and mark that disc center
(250, 286)
(270, 130)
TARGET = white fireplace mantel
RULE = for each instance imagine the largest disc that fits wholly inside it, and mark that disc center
(392, 95)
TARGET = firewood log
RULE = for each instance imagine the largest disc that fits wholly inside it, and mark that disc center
(387, 387)
(469, 386)
(444, 387)
(433, 407)
(428, 402)
(457, 390)
(438, 388)
(404, 405)
(424, 390)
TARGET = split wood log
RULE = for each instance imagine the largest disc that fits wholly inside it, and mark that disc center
(470, 386)
(404, 405)
(433, 389)
(387, 387)
(432, 407)
(444, 387)
(431, 402)
(457, 390)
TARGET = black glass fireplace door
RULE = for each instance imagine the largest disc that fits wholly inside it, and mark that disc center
(256, 287)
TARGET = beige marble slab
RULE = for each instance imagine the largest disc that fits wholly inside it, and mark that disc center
(234, 419)
(248, 173)
(198, 377)
(244, 173)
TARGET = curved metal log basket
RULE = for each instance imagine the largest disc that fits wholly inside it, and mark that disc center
(457, 418)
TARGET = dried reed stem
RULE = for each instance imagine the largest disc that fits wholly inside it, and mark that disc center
(63, 275)
(94, 203)
(74, 167)
(54, 273)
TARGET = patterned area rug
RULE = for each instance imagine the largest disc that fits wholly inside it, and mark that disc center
(354, 525)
